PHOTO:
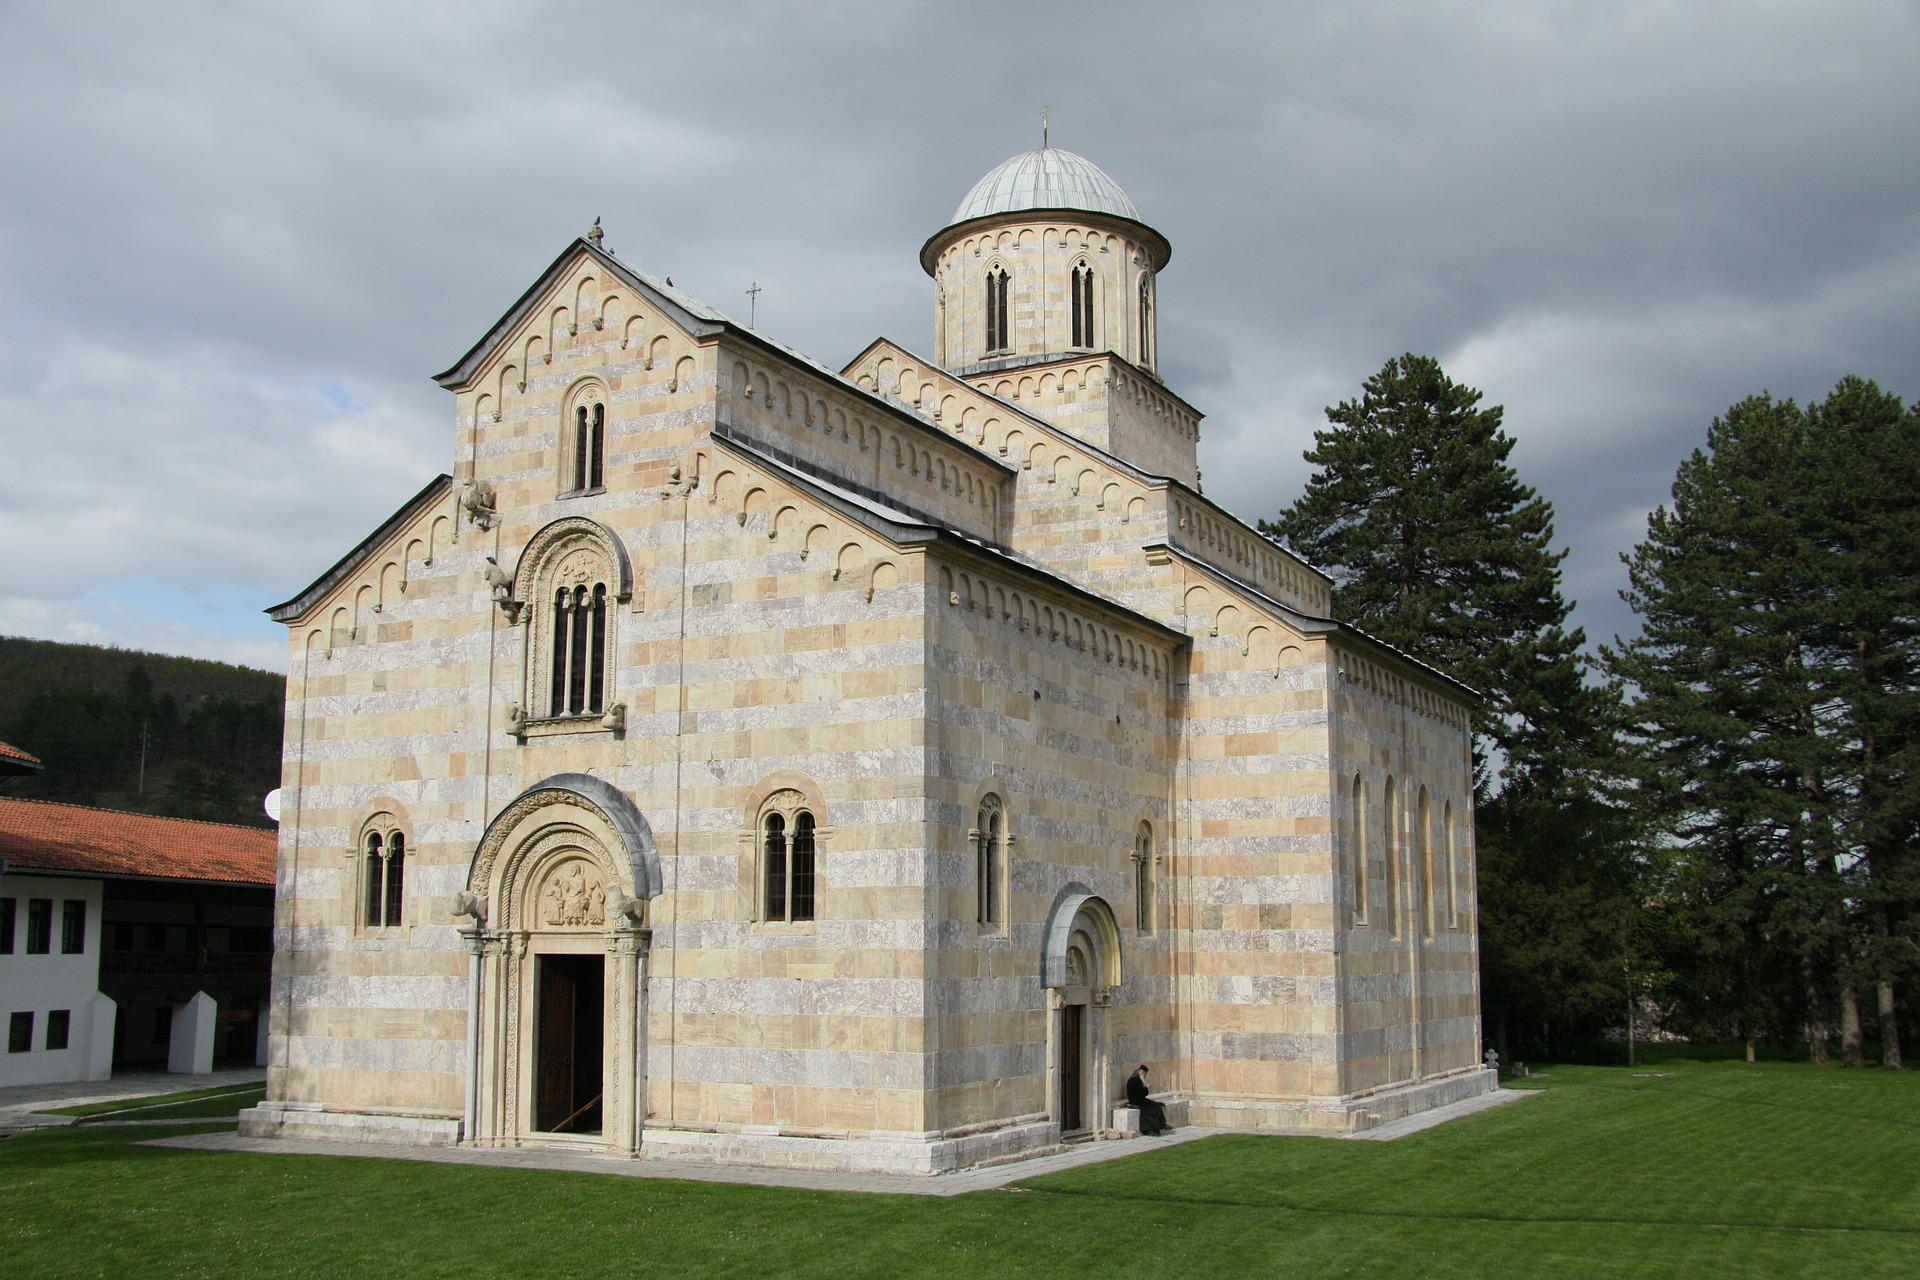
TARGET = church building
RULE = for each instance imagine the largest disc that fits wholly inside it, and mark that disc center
(733, 759)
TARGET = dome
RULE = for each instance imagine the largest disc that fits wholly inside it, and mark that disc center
(1048, 178)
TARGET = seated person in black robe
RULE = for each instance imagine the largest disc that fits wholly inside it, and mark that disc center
(1153, 1116)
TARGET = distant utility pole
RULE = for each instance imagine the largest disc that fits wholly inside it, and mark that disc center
(143, 757)
(753, 302)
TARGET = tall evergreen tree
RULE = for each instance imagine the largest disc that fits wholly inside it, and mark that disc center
(1436, 547)
(1773, 707)
(1868, 453)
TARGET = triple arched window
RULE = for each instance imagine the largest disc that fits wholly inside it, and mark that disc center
(567, 591)
(788, 858)
(997, 339)
(383, 874)
(989, 838)
(1082, 286)
(589, 446)
(577, 680)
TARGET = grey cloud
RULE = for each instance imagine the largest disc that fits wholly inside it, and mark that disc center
(237, 240)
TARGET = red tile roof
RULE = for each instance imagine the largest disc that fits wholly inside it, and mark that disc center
(43, 836)
(14, 760)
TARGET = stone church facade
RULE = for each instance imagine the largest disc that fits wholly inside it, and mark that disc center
(733, 759)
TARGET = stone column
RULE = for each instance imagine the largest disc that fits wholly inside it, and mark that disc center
(476, 968)
(627, 957)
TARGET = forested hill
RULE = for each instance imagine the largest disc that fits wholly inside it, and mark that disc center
(211, 730)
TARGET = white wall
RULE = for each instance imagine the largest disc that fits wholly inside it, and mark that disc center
(39, 984)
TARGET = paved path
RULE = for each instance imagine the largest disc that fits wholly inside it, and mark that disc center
(1423, 1120)
(23, 1106)
(992, 1178)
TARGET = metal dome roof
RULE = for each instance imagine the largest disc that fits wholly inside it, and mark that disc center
(1047, 178)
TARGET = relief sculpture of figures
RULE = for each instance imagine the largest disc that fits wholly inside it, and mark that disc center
(574, 898)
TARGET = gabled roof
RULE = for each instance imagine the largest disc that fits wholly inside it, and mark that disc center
(14, 760)
(1117, 463)
(1112, 460)
(877, 513)
(349, 564)
(687, 311)
(40, 835)
(1312, 624)
(691, 314)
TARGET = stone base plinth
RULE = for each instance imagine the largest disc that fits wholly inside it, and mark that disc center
(309, 1120)
(1353, 1114)
(905, 1155)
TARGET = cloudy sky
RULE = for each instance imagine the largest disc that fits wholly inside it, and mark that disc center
(236, 239)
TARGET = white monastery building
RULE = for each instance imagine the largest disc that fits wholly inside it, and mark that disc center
(737, 760)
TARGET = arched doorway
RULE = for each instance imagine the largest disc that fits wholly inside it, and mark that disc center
(557, 895)
(1081, 970)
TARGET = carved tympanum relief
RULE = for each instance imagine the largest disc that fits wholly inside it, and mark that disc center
(582, 566)
(574, 895)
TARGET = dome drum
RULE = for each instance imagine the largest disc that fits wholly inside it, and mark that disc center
(1047, 182)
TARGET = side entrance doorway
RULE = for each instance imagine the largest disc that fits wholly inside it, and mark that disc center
(570, 1032)
(1073, 1035)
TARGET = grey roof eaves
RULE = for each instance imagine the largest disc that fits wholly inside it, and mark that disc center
(1117, 463)
(1314, 625)
(292, 609)
(905, 528)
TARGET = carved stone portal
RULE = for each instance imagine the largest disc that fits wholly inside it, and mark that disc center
(574, 895)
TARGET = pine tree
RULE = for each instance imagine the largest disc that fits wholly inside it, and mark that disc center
(1436, 548)
(1774, 705)
(1868, 452)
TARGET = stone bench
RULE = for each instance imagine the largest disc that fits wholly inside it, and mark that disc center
(1126, 1118)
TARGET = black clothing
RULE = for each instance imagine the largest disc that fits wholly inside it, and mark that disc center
(1153, 1116)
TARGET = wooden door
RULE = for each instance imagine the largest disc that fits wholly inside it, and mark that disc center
(1072, 1020)
(554, 1060)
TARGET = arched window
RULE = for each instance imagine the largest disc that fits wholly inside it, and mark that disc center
(578, 679)
(801, 859)
(383, 873)
(589, 446)
(1453, 869)
(773, 861)
(1359, 846)
(396, 877)
(1391, 848)
(372, 876)
(572, 577)
(1143, 879)
(1146, 321)
(997, 309)
(1082, 305)
(788, 867)
(989, 838)
(1423, 887)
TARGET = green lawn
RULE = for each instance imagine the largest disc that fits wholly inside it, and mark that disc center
(1715, 1169)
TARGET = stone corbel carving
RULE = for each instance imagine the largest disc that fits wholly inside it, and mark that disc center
(623, 910)
(500, 582)
(468, 903)
(517, 721)
(477, 497)
(615, 717)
